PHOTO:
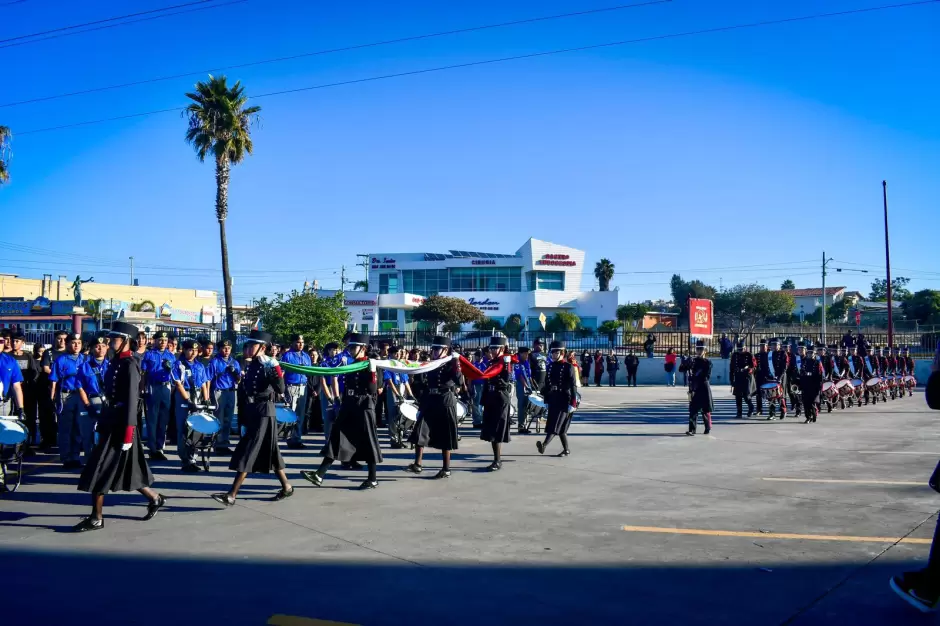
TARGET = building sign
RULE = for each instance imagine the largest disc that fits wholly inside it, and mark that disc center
(62, 307)
(700, 318)
(166, 310)
(563, 260)
(21, 307)
(359, 303)
(201, 293)
(182, 315)
(383, 263)
(416, 300)
(208, 315)
(482, 262)
(368, 315)
(484, 305)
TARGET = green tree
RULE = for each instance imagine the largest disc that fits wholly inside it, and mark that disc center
(219, 127)
(320, 319)
(447, 310)
(143, 305)
(487, 323)
(604, 272)
(682, 291)
(788, 284)
(899, 290)
(513, 326)
(923, 306)
(745, 306)
(5, 136)
(563, 321)
(608, 327)
(629, 313)
(361, 285)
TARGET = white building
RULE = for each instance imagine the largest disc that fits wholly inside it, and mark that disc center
(540, 277)
(808, 300)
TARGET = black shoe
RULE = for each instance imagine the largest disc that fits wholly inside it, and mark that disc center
(153, 507)
(157, 455)
(783, 416)
(223, 450)
(352, 465)
(707, 431)
(916, 590)
(525, 431)
(690, 433)
(476, 426)
(368, 484)
(313, 477)
(192, 468)
(283, 494)
(565, 452)
(89, 523)
(495, 466)
(224, 498)
(396, 445)
(414, 468)
(70, 465)
(444, 473)
(4, 488)
(540, 446)
(295, 445)
(750, 414)
(739, 416)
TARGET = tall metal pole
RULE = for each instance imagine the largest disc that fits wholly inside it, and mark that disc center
(884, 191)
(132, 271)
(824, 299)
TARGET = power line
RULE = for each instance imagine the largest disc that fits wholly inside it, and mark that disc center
(103, 21)
(335, 50)
(124, 23)
(719, 29)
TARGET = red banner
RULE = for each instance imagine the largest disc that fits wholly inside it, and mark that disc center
(471, 372)
(701, 322)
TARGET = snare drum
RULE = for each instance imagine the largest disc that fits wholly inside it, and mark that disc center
(12, 432)
(284, 415)
(873, 382)
(771, 391)
(829, 389)
(910, 381)
(536, 400)
(461, 410)
(408, 411)
(857, 383)
(203, 423)
(843, 383)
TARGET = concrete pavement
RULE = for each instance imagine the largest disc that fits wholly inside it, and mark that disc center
(543, 540)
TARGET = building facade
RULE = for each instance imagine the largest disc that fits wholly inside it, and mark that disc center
(808, 300)
(540, 278)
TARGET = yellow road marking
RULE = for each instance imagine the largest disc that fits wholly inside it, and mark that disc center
(896, 452)
(294, 620)
(853, 482)
(737, 533)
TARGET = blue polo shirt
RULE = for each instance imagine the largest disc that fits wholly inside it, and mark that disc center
(10, 374)
(92, 374)
(394, 377)
(152, 366)
(217, 373)
(295, 357)
(522, 371)
(481, 365)
(65, 371)
(197, 375)
(338, 360)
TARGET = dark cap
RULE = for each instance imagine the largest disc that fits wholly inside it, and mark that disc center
(763, 342)
(440, 341)
(523, 349)
(73, 337)
(498, 342)
(741, 344)
(101, 337)
(259, 336)
(225, 342)
(700, 344)
(556, 345)
(357, 339)
(161, 334)
(189, 344)
(122, 329)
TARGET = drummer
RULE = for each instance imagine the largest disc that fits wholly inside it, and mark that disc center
(190, 386)
(908, 367)
(11, 381)
(396, 385)
(561, 397)
(353, 436)
(496, 400)
(523, 382)
(437, 423)
(117, 462)
(224, 373)
(257, 450)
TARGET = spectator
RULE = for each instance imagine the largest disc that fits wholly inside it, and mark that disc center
(725, 346)
(632, 364)
(848, 341)
(670, 367)
(613, 365)
(598, 368)
(648, 345)
(586, 361)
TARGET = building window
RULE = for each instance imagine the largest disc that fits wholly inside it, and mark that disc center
(388, 319)
(486, 279)
(589, 322)
(550, 281)
(388, 283)
(424, 282)
(533, 324)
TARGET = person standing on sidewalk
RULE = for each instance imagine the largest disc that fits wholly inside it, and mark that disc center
(296, 394)
(670, 365)
(598, 368)
(613, 366)
(632, 364)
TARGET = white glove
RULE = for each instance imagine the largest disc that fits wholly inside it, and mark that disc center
(507, 359)
(126, 447)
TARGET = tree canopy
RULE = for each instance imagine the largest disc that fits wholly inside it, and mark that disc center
(563, 321)
(604, 272)
(513, 325)
(487, 323)
(899, 290)
(788, 284)
(682, 290)
(320, 319)
(447, 310)
(745, 306)
(923, 306)
(631, 312)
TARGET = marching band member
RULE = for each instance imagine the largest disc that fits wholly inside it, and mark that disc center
(700, 391)
(394, 384)
(91, 375)
(117, 462)
(761, 373)
(908, 365)
(66, 386)
(189, 386)
(743, 386)
(224, 373)
(794, 367)
(810, 382)
(437, 422)
(156, 367)
(872, 370)
(561, 395)
(477, 388)
(353, 436)
(257, 450)
(835, 368)
(296, 389)
(773, 366)
(855, 369)
(523, 382)
(497, 397)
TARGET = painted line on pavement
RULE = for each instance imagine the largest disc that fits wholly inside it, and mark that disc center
(294, 620)
(897, 452)
(737, 533)
(853, 482)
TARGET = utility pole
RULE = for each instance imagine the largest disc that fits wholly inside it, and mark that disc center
(132, 271)
(364, 264)
(824, 299)
(342, 278)
(884, 191)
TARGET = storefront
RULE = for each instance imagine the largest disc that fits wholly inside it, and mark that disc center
(541, 278)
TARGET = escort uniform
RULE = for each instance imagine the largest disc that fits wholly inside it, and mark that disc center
(224, 375)
(437, 422)
(743, 385)
(157, 366)
(497, 398)
(561, 397)
(700, 391)
(70, 410)
(257, 450)
(353, 436)
(810, 381)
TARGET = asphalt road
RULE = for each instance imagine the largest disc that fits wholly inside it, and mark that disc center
(759, 523)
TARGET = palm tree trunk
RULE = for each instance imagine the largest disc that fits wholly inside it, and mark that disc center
(222, 170)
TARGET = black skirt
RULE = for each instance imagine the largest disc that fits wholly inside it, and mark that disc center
(810, 391)
(109, 468)
(702, 400)
(354, 437)
(496, 421)
(257, 451)
(437, 423)
(744, 384)
(559, 417)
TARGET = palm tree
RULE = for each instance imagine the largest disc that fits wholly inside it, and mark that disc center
(219, 125)
(361, 285)
(603, 272)
(5, 136)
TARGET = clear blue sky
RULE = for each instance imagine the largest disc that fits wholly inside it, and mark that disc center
(757, 147)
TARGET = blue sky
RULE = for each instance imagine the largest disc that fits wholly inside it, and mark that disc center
(757, 147)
